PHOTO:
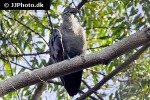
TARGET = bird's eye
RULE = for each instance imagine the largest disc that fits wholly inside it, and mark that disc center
(66, 13)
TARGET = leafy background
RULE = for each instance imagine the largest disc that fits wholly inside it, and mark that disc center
(23, 47)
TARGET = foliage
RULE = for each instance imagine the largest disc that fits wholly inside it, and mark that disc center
(105, 22)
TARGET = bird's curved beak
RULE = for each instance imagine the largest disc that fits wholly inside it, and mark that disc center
(74, 11)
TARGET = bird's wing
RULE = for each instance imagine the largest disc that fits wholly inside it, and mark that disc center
(56, 47)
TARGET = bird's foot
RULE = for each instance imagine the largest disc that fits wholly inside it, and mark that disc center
(82, 58)
(68, 57)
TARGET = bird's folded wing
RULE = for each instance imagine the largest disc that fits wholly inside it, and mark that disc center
(56, 47)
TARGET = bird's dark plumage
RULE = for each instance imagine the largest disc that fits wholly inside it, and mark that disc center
(67, 42)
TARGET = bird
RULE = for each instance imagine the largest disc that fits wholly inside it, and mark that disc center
(66, 42)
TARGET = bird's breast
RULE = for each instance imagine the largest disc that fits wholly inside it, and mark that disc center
(73, 45)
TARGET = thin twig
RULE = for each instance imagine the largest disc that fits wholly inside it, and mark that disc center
(49, 19)
(103, 27)
(39, 53)
(28, 54)
(15, 63)
(74, 4)
(92, 98)
(93, 71)
(36, 18)
(81, 4)
(55, 82)
(103, 37)
(102, 46)
(90, 88)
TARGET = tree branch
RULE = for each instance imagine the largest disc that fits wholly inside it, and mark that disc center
(38, 91)
(100, 98)
(15, 63)
(92, 98)
(89, 28)
(49, 19)
(82, 3)
(39, 53)
(77, 63)
(24, 54)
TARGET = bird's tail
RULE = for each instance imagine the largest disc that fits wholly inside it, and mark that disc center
(72, 82)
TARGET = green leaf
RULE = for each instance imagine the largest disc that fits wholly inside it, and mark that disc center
(137, 19)
(133, 11)
(8, 69)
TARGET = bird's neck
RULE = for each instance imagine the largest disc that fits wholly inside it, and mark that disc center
(68, 23)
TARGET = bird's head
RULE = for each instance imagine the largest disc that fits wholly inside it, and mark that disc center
(69, 13)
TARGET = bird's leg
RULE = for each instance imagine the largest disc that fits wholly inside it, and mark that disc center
(68, 57)
(83, 57)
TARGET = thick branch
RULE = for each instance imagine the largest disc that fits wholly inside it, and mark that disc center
(75, 64)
